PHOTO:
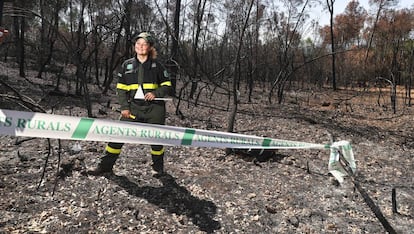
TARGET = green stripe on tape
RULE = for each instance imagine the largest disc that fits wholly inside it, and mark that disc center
(266, 142)
(82, 129)
(188, 137)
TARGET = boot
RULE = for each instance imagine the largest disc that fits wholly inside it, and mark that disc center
(158, 164)
(105, 166)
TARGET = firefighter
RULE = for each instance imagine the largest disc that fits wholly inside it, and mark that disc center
(144, 75)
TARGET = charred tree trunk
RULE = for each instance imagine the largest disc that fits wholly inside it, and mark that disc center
(174, 45)
(48, 35)
(41, 55)
(113, 62)
(19, 28)
(196, 65)
(1, 12)
(236, 76)
(410, 77)
(96, 59)
(21, 47)
(330, 4)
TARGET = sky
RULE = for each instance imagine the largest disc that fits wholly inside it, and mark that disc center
(322, 16)
(339, 7)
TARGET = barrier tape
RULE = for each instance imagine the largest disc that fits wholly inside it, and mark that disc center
(33, 124)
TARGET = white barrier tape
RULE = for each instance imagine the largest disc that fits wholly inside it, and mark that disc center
(32, 124)
(334, 166)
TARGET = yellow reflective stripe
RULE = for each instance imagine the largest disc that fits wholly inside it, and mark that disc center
(122, 86)
(157, 152)
(127, 87)
(149, 86)
(134, 86)
(144, 86)
(166, 83)
(111, 150)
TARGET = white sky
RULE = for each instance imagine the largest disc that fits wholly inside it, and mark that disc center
(339, 7)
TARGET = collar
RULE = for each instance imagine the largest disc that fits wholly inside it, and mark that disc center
(147, 64)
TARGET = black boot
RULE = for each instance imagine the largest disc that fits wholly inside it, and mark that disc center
(158, 164)
(105, 165)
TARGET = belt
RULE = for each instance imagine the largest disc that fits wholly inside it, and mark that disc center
(146, 103)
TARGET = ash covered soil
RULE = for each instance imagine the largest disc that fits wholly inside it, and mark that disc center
(205, 190)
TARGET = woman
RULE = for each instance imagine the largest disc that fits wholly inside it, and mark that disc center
(142, 80)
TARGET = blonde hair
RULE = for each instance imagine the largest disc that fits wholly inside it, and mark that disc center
(153, 53)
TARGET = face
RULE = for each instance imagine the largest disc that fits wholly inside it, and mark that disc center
(142, 47)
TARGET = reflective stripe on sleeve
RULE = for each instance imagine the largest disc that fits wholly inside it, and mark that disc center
(166, 83)
(149, 86)
(127, 87)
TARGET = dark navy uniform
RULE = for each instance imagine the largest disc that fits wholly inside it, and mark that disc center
(136, 77)
(151, 76)
(155, 80)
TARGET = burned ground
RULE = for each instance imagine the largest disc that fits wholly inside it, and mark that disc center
(205, 190)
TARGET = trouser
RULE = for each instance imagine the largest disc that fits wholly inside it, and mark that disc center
(153, 114)
(114, 149)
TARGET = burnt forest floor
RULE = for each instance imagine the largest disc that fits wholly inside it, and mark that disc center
(205, 190)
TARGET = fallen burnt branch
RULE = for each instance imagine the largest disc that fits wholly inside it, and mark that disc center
(371, 204)
(30, 104)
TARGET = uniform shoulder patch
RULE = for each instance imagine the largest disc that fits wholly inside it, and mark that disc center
(129, 66)
(166, 73)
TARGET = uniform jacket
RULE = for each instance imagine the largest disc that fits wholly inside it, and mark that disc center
(155, 80)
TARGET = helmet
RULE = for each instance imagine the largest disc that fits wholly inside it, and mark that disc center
(146, 36)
